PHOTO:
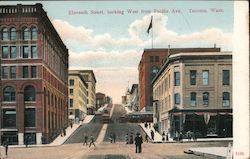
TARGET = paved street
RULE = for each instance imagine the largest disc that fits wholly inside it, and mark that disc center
(73, 149)
(108, 150)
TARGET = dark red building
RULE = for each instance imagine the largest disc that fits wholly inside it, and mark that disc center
(150, 64)
(34, 76)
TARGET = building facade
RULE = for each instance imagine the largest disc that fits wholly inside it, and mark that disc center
(100, 99)
(151, 62)
(89, 78)
(135, 98)
(77, 96)
(34, 76)
(193, 92)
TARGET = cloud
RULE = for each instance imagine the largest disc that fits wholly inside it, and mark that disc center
(113, 81)
(115, 60)
(102, 58)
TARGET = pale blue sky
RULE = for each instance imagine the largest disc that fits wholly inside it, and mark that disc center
(111, 43)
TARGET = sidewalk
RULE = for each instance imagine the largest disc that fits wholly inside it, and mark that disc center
(213, 152)
(60, 139)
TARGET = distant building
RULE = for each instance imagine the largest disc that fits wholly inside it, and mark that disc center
(77, 96)
(135, 97)
(124, 100)
(151, 62)
(100, 100)
(193, 92)
(89, 78)
(34, 71)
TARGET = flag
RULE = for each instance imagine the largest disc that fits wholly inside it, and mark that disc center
(150, 25)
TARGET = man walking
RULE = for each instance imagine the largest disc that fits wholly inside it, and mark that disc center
(114, 137)
(6, 145)
(91, 141)
(138, 142)
(152, 135)
(85, 141)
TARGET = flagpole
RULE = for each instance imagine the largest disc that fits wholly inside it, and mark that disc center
(152, 36)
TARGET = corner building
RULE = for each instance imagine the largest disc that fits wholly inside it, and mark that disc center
(34, 77)
(151, 62)
(194, 93)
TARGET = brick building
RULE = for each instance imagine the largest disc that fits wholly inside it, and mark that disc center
(151, 62)
(194, 93)
(34, 76)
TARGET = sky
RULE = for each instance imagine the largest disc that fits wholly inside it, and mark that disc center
(109, 36)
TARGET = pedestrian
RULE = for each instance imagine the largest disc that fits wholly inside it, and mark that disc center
(146, 125)
(189, 135)
(146, 138)
(111, 138)
(177, 136)
(163, 136)
(91, 141)
(126, 138)
(71, 124)
(152, 135)
(138, 142)
(131, 138)
(180, 137)
(194, 137)
(64, 132)
(114, 137)
(149, 125)
(6, 145)
(26, 141)
(167, 136)
(85, 140)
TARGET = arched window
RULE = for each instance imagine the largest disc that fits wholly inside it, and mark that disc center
(13, 34)
(26, 34)
(33, 33)
(29, 93)
(205, 98)
(5, 34)
(9, 94)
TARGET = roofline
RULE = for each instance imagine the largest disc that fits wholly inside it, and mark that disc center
(86, 71)
(191, 56)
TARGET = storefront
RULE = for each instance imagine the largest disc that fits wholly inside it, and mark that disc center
(204, 123)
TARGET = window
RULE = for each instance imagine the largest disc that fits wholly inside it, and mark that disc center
(71, 91)
(151, 58)
(30, 117)
(5, 52)
(71, 82)
(226, 77)
(205, 77)
(29, 93)
(157, 59)
(193, 99)
(177, 98)
(26, 35)
(13, 34)
(13, 53)
(25, 52)
(154, 71)
(5, 72)
(33, 71)
(9, 118)
(226, 99)
(9, 94)
(25, 72)
(33, 52)
(205, 98)
(176, 78)
(70, 102)
(193, 77)
(33, 33)
(5, 34)
(13, 72)
(31, 137)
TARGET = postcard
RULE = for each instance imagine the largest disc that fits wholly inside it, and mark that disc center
(124, 79)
